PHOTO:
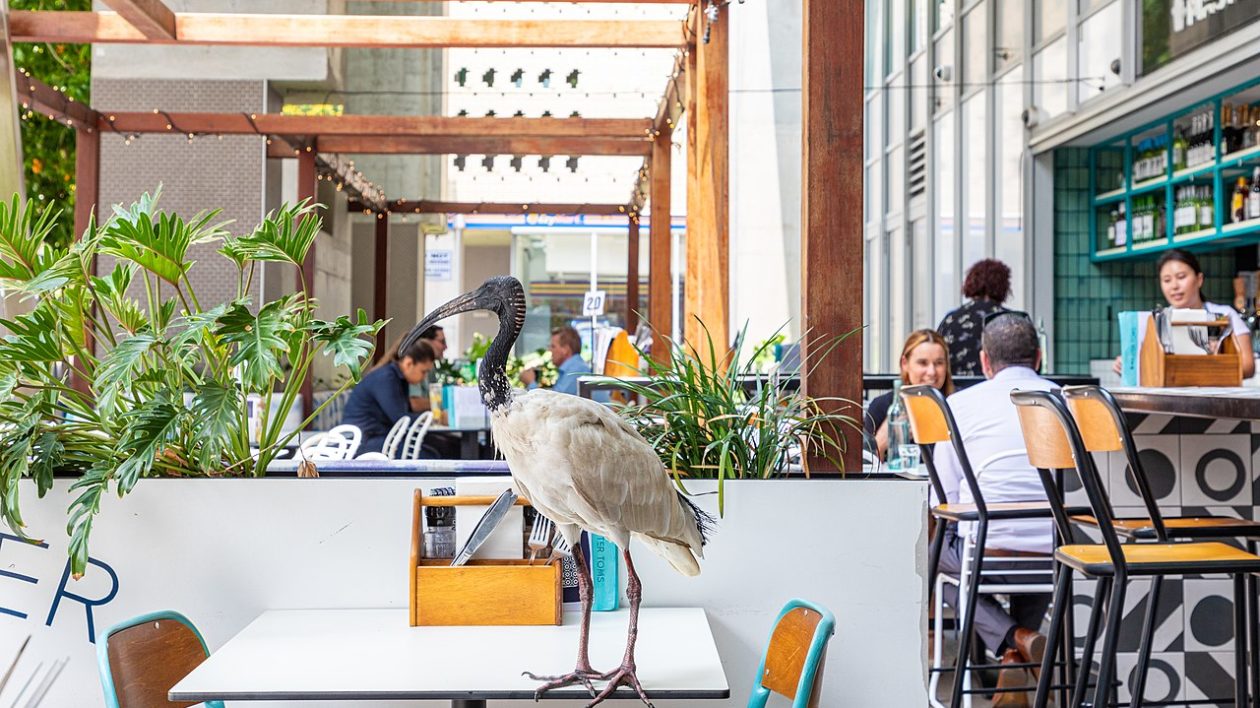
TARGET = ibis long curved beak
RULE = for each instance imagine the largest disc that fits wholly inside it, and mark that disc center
(467, 302)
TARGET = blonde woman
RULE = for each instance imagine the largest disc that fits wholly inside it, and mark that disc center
(924, 360)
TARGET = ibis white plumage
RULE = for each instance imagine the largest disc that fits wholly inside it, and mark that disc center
(584, 468)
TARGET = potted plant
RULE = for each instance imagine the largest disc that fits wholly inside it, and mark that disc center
(700, 415)
(127, 374)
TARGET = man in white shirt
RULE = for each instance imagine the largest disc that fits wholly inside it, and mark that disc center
(989, 427)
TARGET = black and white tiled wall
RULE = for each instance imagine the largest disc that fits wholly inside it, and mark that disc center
(1195, 466)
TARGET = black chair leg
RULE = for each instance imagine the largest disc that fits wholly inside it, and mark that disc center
(934, 553)
(1253, 624)
(1067, 658)
(1240, 640)
(962, 664)
(1107, 662)
(1102, 593)
(1148, 638)
(1061, 604)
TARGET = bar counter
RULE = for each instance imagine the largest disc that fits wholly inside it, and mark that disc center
(1237, 403)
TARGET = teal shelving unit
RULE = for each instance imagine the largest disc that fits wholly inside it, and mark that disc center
(1112, 186)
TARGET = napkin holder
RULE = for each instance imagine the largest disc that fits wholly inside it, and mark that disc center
(1161, 369)
(482, 592)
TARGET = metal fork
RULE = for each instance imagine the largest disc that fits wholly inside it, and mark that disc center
(540, 536)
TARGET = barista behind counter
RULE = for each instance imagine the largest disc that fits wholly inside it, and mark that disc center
(1181, 280)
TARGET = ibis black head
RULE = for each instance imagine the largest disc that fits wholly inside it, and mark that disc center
(502, 295)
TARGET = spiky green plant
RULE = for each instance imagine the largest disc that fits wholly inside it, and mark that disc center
(704, 423)
(165, 388)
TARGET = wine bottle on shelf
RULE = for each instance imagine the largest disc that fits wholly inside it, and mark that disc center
(1253, 197)
(1238, 203)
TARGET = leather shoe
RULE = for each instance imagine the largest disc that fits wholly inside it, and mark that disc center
(1009, 679)
(1030, 644)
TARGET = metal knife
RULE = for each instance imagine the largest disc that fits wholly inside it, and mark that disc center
(486, 526)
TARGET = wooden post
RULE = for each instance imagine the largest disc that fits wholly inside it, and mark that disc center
(708, 232)
(632, 274)
(660, 291)
(831, 205)
(87, 184)
(306, 190)
(380, 280)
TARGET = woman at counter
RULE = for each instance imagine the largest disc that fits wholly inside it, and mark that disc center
(924, 360)
(1181, 280)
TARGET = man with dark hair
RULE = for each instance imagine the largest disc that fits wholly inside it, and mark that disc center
(988, 426)
(381, 398)
(566, 354)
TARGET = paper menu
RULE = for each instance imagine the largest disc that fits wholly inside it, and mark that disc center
(1183, 337)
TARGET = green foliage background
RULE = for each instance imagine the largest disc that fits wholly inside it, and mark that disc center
(48, 146)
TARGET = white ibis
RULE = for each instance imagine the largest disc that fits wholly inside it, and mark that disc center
(583, 467)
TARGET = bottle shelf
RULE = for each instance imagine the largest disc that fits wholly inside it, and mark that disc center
(1115, 195)
(1241, 227)
(1240, 157)
(1187, 174)
(1154, 243)
(1194, 235)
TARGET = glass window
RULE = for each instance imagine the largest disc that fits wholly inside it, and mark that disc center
(895, 128)
(918, 25)
(1050, 17)
(874, 188)
(874, 39)
(871, 128)
(944, 13)
(1050, 74)
(974, 179)
(1008, 23)
(898, 295)
(895, 49)
(1084, 7)
(1008, 242)
(1096, 50)
(917, 89)
(920, 267)
(945, 90)
(975, 67)
(945, 260)
(876, 279)
(896, 172)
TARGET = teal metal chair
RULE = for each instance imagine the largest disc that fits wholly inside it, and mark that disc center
(142, 658)
(794, 656)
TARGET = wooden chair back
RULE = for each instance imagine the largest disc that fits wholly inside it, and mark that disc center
(795, 656)
(926, 414)
(142, 658)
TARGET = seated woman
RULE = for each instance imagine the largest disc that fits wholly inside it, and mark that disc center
(381, 398)
(924, 360)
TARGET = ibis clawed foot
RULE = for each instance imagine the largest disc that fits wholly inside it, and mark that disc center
(583, 674)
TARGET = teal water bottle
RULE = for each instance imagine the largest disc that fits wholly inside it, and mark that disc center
(605, 572)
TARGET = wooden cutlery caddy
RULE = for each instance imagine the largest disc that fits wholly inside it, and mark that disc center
(482, 592)
(1162, 369)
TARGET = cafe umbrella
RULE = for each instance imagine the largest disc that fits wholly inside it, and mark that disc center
(584, 468)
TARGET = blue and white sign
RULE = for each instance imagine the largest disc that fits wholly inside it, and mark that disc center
(438, 264)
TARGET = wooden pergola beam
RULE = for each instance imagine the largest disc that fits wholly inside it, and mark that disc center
(345, 31)
(156, 121)
(151, 17)
(425, 206)
(38, 96)
(459, 145)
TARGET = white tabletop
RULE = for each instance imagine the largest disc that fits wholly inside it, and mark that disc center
(373, 654)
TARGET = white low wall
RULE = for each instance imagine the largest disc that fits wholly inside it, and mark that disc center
(222, 551)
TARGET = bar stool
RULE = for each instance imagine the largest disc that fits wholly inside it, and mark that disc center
(1054, 443)
(1103, 428)
(931, 422)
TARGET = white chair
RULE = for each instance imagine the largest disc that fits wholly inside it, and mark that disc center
(394, 438)
(415, 436)
(340, 443)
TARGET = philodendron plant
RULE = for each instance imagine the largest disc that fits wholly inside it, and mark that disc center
(125, 374)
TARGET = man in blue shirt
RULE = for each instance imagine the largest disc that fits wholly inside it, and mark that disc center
(566, 345)
(381, 398)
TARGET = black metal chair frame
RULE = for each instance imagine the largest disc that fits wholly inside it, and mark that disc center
(1113, 577)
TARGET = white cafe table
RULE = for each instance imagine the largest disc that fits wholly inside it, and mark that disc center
(359, 655)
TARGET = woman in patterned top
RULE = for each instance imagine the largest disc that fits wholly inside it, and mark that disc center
(986, 287)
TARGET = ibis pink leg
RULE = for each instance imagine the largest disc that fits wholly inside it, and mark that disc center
(626, 673)
(583, 673)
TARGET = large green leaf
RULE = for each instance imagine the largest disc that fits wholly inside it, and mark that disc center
(150, 426)
(344, 339)
(122, 364)
(111, 293)
(34, 336)
(157, 241)
(23, 233)
(218, 410)
(285, 235)
(259, 341)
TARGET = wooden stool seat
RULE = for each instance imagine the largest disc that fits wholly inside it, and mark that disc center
(1000, 510)
(1179, 527)
(1160, 558)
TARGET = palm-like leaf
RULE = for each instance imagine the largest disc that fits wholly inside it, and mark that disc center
(23, 252)
(157, 241)
(344, 339)
(218, 410)
(259, 341)
(121, 366)
(151, 425)
(34, 336)
(285, 236)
